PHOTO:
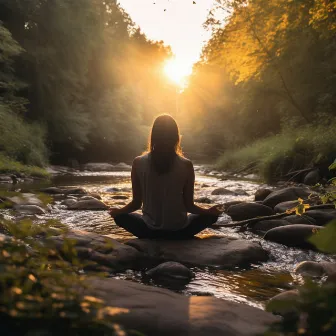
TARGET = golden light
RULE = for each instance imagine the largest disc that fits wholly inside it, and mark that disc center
(177, 71)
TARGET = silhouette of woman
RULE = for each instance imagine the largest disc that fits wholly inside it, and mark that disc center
(163, 183)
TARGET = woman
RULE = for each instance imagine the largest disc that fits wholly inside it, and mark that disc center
(163, 182)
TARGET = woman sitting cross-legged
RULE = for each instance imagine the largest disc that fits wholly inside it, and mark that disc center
(163, 183)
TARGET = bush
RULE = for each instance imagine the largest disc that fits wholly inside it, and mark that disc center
(293, 149)
(21, 141)
(42, 291)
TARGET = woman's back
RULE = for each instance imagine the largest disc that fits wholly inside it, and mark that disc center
(162, 194)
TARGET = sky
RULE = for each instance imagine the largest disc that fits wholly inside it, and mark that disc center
(176, 22)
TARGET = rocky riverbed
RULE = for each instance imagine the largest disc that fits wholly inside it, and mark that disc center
(224, 262)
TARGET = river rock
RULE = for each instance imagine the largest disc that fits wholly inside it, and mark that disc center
(261, 194)
(103, 250)
(266, 225)
(120, 197)
(322, 217)
(211, 251)
(69, 202)
(29, 209)
(296, 219)
(312, 177)
(92, 204)
(6, 179)
(204, 200)
(156, 311)
(315, 269)
(25, 199)
(53, 191)
(284, 195)
(170, 274)
(95, 195)
(240, 192)
(291, 298)
(244, 211)
(223, 191)
(294, 235)
(284, 206)
(75, 191)
(87, 198)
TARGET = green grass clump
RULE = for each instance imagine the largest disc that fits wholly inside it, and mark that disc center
(10, 166)
(293, 149)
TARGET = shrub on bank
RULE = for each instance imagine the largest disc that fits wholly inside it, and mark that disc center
(293, 149)
(20, 141)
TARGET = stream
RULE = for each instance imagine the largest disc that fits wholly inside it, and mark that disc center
(253, 286)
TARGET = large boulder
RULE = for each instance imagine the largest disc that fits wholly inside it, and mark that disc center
(284, 195)
(294, 235)
(261, 194)
(155, 311)
(284, 303)
(296, 219)
(244, 211)
(322, 217)
(316, 269)
(312, 177)
(6, 179)
(170, 274)
(91, 204)
(102, 250)
(212, 251)
(266, 225)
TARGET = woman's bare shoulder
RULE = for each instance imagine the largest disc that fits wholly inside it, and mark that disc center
(188, 163)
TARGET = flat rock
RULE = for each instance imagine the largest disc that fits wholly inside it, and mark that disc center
(7, 179)
(316, 269)
(322, 217)
(284, 195)
(240, 212)
(92, 204)
(155, 311)
(212, 251)
(29, 209)
(25, 199)
(266, 225)
(294, 235)
(204, 200)
(223, 191)
(103, 250)
(69, 202)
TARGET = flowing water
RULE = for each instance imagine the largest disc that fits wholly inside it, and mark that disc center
(253, 286)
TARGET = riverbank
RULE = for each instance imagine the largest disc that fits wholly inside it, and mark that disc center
(12, 167)
(275, 157)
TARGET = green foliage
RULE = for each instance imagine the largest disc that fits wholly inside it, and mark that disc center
(41, 291)
(21, 141)
(293, 149)
(325, 239)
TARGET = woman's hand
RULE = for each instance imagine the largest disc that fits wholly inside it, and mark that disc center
(114, 212)
(215, 210)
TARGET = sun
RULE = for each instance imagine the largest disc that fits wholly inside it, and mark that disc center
(177, 71)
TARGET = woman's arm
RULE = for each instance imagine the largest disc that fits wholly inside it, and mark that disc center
(136, 202)
(188, 194)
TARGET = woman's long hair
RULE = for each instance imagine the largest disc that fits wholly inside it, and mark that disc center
(164, 143)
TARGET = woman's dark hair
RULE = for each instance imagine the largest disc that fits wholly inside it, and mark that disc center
(164, 143)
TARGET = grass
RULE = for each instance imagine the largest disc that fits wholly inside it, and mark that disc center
(293, 149)
(10, 166)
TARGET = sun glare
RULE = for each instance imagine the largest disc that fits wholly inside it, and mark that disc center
(177, 71)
